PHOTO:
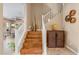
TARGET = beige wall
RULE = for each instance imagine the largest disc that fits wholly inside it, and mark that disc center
(36, 10)
(55, 8)
(37, 13)
(1, 27)
(72, 30)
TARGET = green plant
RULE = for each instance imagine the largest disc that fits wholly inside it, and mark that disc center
(12, 45)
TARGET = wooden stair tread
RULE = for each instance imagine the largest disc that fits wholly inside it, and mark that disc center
(32, 44)
(33, 40)
(33, 32)
(34, 36)
(31, 51)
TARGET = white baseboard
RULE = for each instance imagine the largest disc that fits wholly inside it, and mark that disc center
(71, 49)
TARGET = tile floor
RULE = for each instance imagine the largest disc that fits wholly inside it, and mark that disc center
(59, 51)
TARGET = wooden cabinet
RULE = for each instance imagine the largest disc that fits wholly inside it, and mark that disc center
(55, 39)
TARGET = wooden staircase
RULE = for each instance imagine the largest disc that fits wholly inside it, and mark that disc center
(32, 43)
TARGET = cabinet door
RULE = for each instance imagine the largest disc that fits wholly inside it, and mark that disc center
(60, 39)
(51, 39)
